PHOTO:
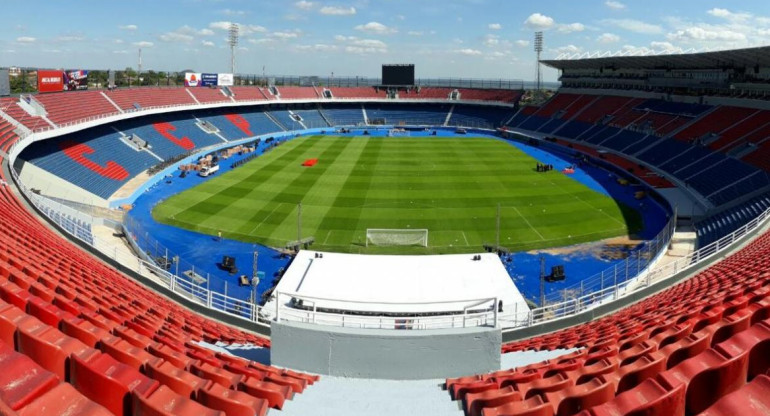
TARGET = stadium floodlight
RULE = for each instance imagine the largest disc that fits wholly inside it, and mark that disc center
(234, 33)
(539, 50)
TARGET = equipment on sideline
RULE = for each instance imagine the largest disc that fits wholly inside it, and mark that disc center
(396, 237)
(398, 133)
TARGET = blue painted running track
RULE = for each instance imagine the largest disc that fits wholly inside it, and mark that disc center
(205, 252)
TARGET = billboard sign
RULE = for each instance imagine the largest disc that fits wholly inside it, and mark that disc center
(208, 80)
(50, 81)
(75, 80)
(225, 80)
(192, 79)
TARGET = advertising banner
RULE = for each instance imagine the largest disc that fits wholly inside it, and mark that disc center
(75, 80)
(208, 80)
(192, 79)
(50, 81)
(225, 80)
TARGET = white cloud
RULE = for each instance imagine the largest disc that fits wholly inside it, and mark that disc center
(119, 41)
(128, 27)
(284, 35)
(143, 44)
(571, 27)
(319, 47)
(25, 39)
(491, 40)
(468, 52)
(243, 29)
(360, 46)
(304, 5)
(539, 21)
(376, 28)
(415, 33)
(614, 5)
(338, 11)
(522, 43)
(664, 46)
(207, 43)
(608, 38)
(728, 15)
(569, 49)
(121, 52)
(185, 34)
(697, 33)
(495, 26)
(175, 37)
(635, 26)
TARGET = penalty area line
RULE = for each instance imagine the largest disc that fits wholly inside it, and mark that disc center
(530, 225)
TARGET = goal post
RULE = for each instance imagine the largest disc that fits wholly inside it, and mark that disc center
(396, 237)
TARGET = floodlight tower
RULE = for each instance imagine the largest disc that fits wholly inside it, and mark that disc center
(233, 32)
(539, 50)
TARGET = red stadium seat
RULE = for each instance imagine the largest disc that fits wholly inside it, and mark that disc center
(106, 381)
(21, 379)
(126, 353)
(232, 402)
(51, 349)
(165, 402)
(169, 354)
(218, 375)
(751, 399)
(181, 381)
(83, 330)
(275, 394)
(63, 400)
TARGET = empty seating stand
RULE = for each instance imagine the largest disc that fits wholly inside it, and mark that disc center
(146, 97)
(72, 106)
(77, 337)
(699, 346)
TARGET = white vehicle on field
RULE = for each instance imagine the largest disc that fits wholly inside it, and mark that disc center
(208, 170)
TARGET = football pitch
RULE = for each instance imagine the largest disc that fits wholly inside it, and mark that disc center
(450, 186)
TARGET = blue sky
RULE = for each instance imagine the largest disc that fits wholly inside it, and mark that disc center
(444, 38)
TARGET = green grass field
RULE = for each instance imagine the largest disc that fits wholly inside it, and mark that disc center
(451, 186)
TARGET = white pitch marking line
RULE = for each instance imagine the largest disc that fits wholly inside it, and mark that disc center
(265, 219)
(530, 225)
(465, 238)
(328, 233)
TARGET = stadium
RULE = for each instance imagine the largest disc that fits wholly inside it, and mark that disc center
(228, 243)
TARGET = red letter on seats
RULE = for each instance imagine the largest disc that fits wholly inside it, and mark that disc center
(77, 152)
(165, 130)
(241, 123)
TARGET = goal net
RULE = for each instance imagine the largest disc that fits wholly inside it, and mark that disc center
(398, 133)
(396, 237)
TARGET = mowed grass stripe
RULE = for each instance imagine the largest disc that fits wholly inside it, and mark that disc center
(232, 209)
(341, 222)
(449, 185)
(322, 195)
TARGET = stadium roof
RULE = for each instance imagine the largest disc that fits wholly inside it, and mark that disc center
(739, 58)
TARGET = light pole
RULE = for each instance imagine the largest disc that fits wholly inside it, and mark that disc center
(539, 50)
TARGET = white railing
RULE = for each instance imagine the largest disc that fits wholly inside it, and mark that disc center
(358, 314)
